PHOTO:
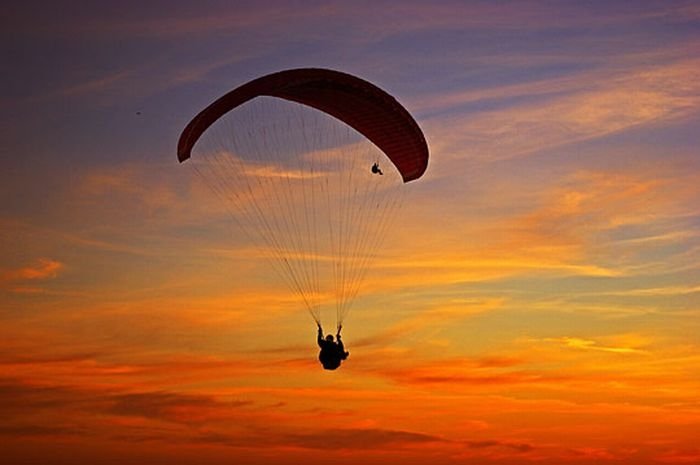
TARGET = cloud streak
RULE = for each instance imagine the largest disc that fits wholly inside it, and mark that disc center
(20, 280)
(586, 344)
(569, 110)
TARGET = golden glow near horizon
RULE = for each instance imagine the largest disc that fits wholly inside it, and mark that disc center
(537, 300)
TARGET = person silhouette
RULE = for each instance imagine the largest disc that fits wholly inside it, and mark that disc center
(376, 169)
(332, 352)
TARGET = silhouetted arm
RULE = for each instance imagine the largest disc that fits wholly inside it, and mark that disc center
(319, 338)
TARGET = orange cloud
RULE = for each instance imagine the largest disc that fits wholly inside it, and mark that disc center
(566, 229)
(461, 374)
(42, 269)
(586, 344)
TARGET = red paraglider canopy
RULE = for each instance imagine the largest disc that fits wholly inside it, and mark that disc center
(358, 103)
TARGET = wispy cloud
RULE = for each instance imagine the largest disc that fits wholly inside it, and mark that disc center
(450, 311)
(167, 406)
(587, 344)
(366, 438)
(574, 110)
(657, 291)
(139, 82)
(680, 456)
(19, 280)
(43, 268)
(462, 374)
(195, 418)
(518, 447)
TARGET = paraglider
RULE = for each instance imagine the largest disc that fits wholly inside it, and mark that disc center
(284, 153)
(332, 352)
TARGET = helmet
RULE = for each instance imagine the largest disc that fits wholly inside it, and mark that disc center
(329, 338)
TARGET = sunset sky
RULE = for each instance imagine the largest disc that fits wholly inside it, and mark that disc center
(538, 300)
